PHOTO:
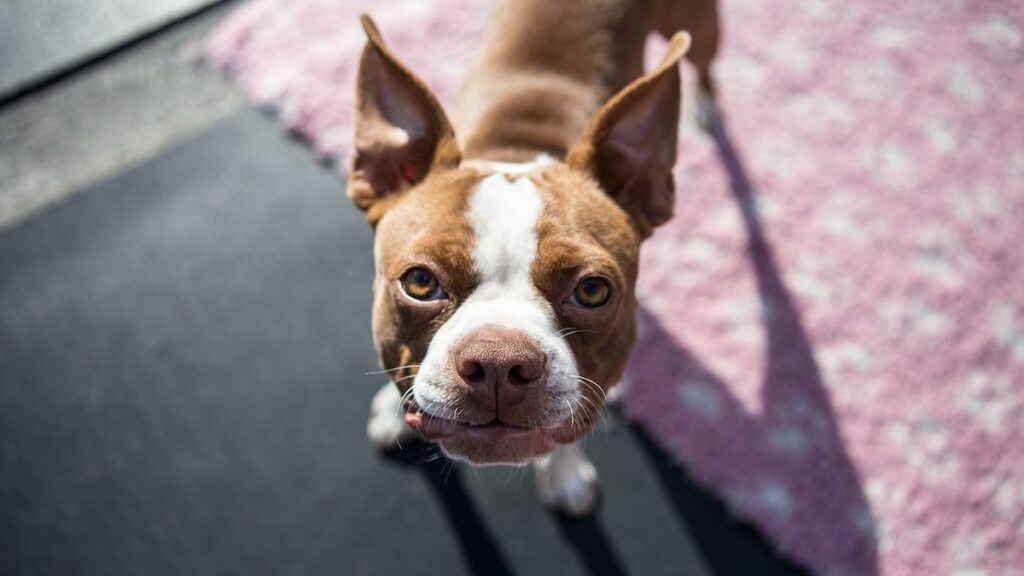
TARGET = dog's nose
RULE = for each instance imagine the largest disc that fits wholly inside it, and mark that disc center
(500, 367)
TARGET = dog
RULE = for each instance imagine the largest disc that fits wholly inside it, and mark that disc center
(507, 237)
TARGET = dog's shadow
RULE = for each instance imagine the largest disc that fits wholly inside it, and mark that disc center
(478, 545)
(828, 504)
(788, 463)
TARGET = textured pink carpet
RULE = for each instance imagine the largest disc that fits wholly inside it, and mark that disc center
(833, 325)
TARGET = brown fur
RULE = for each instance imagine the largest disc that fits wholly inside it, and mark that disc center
(561, 78)
(582, 232)
(427, 229)
(385, 167)
(547, 67)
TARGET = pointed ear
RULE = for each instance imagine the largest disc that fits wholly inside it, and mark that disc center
(630, 145)
(401, 131)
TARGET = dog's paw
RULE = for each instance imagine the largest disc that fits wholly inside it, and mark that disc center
(613, 397)
(567, 482)
(386, 428)
(709, 117)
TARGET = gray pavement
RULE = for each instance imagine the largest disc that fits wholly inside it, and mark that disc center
(41, 37)
(112, 115)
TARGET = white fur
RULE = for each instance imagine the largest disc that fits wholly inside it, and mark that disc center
(615, 394)
(567, 481)
(387, 429)
(504, 216)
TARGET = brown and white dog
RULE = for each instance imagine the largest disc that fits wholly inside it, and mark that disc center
(506, 256)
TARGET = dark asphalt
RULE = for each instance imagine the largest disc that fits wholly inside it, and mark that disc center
(183, 352)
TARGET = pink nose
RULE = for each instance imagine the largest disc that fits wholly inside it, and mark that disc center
(500, 367)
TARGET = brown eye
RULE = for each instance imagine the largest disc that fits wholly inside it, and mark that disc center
(421, 285)
(592, 292)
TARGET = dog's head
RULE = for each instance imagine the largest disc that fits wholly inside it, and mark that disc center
(504, 303)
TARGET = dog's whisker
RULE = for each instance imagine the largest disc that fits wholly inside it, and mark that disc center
(594, 384)
(402, 400)
(587, 409)
(400, 413)
(449, 466)
(392, 369)
(592, 404)
(600, 391)
(403, 378)
(592, 408)
(431, 457)
(605, 426)
(571, 332)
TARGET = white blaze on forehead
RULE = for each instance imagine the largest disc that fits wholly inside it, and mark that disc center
(503, 213)
(504, 218)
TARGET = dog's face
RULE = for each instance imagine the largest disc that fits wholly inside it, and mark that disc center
(515, 297)
(504, 303)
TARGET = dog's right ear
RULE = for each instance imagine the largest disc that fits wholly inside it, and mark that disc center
(401, 131)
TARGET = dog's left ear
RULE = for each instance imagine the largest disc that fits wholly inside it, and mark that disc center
(630, 145)
(401, 131)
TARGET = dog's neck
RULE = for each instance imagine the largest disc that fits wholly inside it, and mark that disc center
(546, 69)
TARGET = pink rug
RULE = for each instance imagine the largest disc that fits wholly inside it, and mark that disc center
(833, 325)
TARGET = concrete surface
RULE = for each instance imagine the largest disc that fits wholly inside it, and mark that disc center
(113, 115)
(38, 37)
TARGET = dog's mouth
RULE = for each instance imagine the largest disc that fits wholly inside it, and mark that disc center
(436, 429)
(495, 442)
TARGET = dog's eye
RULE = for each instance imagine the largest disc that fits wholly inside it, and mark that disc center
(592, 292)
(421, 285)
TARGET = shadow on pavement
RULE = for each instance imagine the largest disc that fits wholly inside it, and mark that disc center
(477, 543)
(823, 497)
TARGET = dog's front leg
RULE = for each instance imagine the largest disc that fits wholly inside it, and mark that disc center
(386, 428)
(567, 481)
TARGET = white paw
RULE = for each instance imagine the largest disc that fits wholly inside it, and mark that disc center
(709, 117)
(613, 398)
(386, 428)
(567, 481)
